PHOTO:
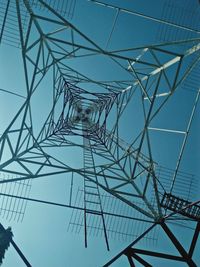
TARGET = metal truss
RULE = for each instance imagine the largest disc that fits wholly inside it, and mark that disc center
(136, 255)
(86, 113)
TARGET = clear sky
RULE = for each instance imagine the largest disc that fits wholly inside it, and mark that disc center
(98, 42)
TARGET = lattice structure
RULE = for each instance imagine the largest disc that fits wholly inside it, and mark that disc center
(185, 186)
(122, 224)
(187, 16)
(63, 7)
(13, 209)
(106, 100)
(83, 115)
(179, 205)
(9, 33)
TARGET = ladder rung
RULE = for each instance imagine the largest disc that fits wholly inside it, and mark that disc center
(93, 202)
(91, 193)
(90, 186)
(88, 180)
(96, 212)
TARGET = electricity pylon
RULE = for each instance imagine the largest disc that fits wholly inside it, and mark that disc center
(86, 113)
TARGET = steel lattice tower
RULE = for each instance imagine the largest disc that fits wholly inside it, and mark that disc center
(68, 105)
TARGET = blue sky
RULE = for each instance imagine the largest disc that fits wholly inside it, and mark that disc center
(44, 234)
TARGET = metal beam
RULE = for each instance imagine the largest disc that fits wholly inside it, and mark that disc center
(142, 261)
(146, 16)
(123, 252)
(130, 260)
(194, 240)
(155, 254)
(178, 245)
(17, 249)
(72, 207)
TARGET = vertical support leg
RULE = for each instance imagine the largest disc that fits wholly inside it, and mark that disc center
(194, 240)
(130, 260)
(142, 261)
(178, 246)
